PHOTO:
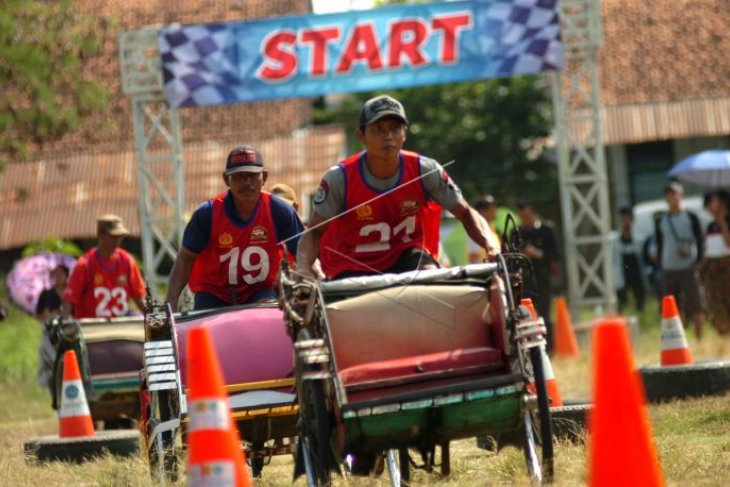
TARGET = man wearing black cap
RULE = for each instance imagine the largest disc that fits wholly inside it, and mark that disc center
(106, 277)
(230, 251)
(392, 233)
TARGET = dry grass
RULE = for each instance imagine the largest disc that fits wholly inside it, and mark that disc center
(692, 438)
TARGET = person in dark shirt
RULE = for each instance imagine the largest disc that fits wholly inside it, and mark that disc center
(540, 245)
(49, 304)
(231, 248)
(631, 262)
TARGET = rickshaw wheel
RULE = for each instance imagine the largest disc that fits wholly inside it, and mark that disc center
(537, 426)
(315, 427)
(405, 465)
(161, 450)
(257, 464)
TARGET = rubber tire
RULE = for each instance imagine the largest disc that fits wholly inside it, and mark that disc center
(256, 464)
(404, 462)
(316, 421)
(123, 443)
(570, 422)
(543, 428)
(683, 381)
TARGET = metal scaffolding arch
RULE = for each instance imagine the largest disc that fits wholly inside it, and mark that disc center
(158, 149)
(578, 135)
(581, 159)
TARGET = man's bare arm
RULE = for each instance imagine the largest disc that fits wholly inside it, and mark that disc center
(179, 276)
(476, 226)
(140, 303)
(308, 249)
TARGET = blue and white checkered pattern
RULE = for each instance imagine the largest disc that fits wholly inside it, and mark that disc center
(198, 65)
(530, 36)
(212, 64)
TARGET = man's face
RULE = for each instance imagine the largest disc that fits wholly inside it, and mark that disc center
(673, 198)
(383, 138)
(246, 186)
(527, 215)
(110, 241)
(489, 213)
(626, 220)
(59, 277)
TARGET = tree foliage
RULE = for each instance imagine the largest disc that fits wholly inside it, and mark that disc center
(45, 92)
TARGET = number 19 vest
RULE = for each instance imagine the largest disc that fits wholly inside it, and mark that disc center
(373, 236)
(237, 260)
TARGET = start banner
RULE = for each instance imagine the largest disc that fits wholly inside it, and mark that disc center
(384, 48)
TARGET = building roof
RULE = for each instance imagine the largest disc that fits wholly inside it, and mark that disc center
(63, 196)
(664, 51)
(664, 69)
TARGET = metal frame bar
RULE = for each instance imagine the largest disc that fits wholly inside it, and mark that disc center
(581, 159)
(158, 149)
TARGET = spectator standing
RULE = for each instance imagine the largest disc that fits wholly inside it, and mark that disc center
(679, 251)
(50, 300)
(715, 271)
(286, 192)
(106, 278)
(630, 275)
(49, 304)
(540, 245)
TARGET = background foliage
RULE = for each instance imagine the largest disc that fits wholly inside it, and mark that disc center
(44, 92)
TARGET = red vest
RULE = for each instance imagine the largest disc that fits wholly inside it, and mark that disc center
(243, 260)
(376, 234)
(102, 288)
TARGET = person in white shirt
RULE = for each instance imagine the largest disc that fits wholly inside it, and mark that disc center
(715, 272)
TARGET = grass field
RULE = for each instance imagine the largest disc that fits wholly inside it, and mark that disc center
(692, 436)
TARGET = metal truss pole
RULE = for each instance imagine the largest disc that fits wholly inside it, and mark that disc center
(581, 159)
(158, 150)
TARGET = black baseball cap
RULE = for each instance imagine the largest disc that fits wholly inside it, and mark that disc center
(244, 159)
(381, 106)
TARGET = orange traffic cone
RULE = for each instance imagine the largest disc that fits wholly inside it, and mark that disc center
(215, 456)
(621, 448)
(550, 383)
(527, 303)
(675, 350)
(74, 415)
(565, 342)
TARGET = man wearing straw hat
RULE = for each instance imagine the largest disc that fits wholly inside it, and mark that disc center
(106, 277)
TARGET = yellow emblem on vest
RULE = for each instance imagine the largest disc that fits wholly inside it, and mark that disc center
(225, 239)
(364, 212)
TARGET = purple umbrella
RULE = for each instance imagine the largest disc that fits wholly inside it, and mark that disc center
(31, 275)
(708, 168)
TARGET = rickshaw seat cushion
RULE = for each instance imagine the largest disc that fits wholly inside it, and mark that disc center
(409, 321)
(115, 357)
(453, 360)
